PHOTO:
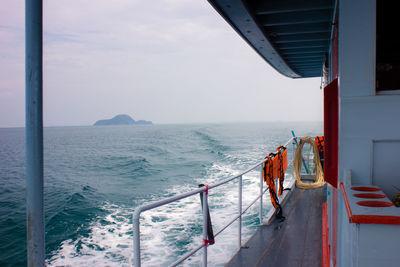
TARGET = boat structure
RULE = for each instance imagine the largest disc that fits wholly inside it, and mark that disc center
(351, 220)
(350, 45)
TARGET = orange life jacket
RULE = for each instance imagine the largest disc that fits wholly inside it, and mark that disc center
(269, 177)
(319, 141)
(282, 166)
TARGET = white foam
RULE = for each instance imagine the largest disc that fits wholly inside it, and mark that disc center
(171, 230)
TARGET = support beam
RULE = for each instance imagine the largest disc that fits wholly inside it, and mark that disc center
(306, 44)
(283, 49)
(302, 37)
(34, 132)
(303, 69)
(280, 6)
(277, 19)
(304, 51)
(299, 60)
(309, 71)
(311, 74)
(308, 56)
(299, 28)
(308, 64)
(308, 67)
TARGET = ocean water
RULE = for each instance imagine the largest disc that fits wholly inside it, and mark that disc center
(96, 176)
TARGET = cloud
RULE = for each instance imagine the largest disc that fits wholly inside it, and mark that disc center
(162, 60)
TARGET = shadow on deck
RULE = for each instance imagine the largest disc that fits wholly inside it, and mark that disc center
(293, 242)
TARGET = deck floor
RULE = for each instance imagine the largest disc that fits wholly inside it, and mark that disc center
(293, 242)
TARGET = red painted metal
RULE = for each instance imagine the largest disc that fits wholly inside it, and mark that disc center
(346, 202)
(334, 224)
(376, 219)
(369, 195)
(365, 188)
(331, 124)
(367, 219)
(375, 204)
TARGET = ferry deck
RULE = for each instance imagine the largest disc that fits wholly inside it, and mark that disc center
(352, 46)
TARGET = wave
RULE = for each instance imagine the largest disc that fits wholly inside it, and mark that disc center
(132, 166)
(213, 145)
(93, 179)
(69, 218)
(167, 232)
(107, 242)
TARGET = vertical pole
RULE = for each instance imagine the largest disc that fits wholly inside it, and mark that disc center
(240, 213)
(205, 219)
(294, 150)
(34, 132)
(261, 192)
(136, 238)
(304, 163)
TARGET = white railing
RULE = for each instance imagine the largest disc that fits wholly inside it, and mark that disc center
(204, 192)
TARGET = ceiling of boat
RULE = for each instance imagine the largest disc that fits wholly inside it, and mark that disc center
(292, 35)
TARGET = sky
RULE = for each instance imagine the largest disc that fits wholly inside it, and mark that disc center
(168, 61)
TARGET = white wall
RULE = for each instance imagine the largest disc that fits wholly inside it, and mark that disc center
(365, 117)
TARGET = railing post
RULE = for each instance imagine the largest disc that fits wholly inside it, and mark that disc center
(205, 219)
(240, 213)
(294, 149)
(261, 192)
(136, 238)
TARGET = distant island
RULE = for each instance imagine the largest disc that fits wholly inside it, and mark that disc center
(122, 119)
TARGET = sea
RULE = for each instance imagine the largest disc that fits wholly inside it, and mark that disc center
(95, 176)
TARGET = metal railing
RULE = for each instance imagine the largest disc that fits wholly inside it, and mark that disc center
(204, 194)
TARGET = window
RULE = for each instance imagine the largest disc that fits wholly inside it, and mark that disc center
(387, 46)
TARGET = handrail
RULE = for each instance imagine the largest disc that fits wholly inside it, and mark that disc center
(204, 190)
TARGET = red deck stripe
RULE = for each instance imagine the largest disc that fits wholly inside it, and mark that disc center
(325, 245)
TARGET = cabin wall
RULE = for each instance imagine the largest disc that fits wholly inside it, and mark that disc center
(369, 137)
(369, 124)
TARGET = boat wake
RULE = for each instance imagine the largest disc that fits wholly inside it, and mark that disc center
(168, 231)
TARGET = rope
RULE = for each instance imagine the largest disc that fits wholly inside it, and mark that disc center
(298, 158)
(396, 200)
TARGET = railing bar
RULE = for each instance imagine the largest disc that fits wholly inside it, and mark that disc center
(254, 201)
(191, 193)
(181, 196)
(237, 176)
(236, 217)
(190, 253)
(185, 195)
(187, 255)
(246, 171)
(290, 140)
(171, 199)
(142, 208)
(226, 226)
